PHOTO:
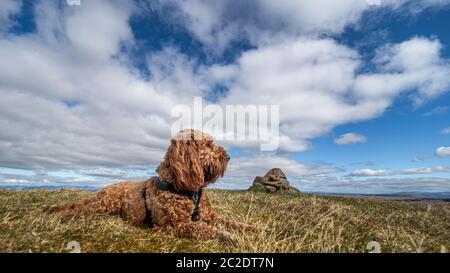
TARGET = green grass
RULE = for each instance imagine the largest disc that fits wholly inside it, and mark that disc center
(286, 223)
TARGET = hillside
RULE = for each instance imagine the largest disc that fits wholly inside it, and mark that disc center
(287, 223)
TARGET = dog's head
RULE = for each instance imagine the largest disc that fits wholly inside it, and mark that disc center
(193, 161)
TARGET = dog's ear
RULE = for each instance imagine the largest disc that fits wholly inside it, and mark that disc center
(184, 163)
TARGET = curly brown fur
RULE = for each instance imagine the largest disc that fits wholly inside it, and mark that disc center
(192, 162)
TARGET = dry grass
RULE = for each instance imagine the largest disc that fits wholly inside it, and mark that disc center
(287, 223)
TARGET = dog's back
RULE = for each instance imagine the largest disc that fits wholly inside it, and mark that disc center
(109, 200)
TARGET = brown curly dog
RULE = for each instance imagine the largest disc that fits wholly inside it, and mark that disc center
(175, 200)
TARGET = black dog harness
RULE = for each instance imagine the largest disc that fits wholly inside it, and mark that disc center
(194, 196)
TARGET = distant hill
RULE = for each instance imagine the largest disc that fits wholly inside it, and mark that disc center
(412, 196)
(55, 188)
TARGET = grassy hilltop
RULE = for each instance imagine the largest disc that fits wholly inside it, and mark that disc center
(287, 223)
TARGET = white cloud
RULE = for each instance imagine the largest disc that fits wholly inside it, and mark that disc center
(370, 172)
(260, 164)
(443, 151)
(446, 130)
(80, 103)
(85, 110)
(292, 75)
(421, 158)
(86, 179)
(440, 110)
(409, 66)
(411, 171)
(426, 170)
(417, 6)
(374, 185)
(350, 138)
(8, 8)
(106, 172)
(216, 24)
(94, 34)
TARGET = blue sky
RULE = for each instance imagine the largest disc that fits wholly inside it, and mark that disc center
(363, 90)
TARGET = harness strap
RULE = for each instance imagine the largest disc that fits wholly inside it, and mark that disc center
(163, 185)
(194, 196)
(148, 213)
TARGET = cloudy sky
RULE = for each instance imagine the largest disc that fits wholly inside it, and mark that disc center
(363, 89)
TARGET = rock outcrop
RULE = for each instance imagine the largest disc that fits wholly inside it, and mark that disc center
(275, 180)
